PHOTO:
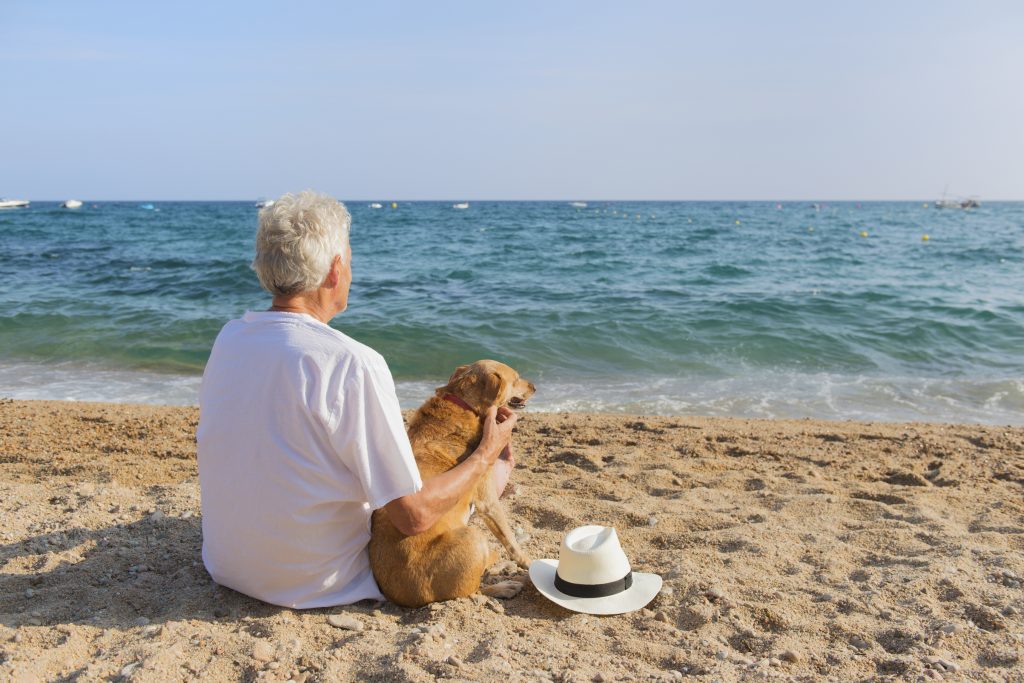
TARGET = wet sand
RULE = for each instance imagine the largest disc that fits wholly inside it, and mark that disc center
(791, 550)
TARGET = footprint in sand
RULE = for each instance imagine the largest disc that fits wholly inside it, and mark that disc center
(884, 498)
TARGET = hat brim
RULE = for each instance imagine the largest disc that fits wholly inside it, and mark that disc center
(643, 590)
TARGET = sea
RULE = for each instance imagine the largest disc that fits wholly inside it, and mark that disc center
(879, 311)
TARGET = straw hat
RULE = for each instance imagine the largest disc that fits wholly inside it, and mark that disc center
(592, 575)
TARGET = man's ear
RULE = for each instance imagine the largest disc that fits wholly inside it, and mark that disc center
(333, 273)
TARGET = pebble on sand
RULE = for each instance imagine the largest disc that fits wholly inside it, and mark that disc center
(346, 622)
(860, 643)
(714, 593)
(945, 663)
(263, 651)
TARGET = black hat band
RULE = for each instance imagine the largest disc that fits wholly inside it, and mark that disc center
(592, 590)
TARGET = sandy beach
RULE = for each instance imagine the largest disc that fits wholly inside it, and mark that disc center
(791, 550)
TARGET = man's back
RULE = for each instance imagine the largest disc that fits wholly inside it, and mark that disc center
(287, 478)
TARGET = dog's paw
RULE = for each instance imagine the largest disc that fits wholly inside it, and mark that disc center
(503, 589)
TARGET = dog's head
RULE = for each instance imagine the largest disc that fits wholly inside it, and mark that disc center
(487, 383)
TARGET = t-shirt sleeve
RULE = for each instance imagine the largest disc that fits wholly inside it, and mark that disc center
(370, 436)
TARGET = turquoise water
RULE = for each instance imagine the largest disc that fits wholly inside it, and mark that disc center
(716, 308)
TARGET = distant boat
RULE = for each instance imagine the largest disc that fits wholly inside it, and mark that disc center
(960, 203)
(578, 205)
(70, 204)
(13, 203)
(461, 205)
(966, 203)
(147, 207)
(376, 205)
(264, 203)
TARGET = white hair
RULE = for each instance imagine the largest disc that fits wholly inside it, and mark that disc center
(298, 237)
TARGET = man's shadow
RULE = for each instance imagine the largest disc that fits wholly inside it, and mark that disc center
(141, 573)
(125, 575)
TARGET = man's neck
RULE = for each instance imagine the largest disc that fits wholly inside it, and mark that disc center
(306, 302)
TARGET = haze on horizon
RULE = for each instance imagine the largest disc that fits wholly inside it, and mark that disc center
(563, 100)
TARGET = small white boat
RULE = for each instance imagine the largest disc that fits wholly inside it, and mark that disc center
(264, 203)
(71, 204)
(578, 205)
(461, 205)
(967, 203)
(13, 203)
(376, 205)
(961, 203)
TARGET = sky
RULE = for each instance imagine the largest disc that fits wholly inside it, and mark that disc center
(526, 100)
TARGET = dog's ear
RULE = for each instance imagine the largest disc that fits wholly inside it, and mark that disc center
(494, 388)
(461, 370)
(457, 377)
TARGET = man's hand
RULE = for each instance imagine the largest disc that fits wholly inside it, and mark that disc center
(415, 513)
(498, 425)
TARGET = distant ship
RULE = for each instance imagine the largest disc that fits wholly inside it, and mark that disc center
(13, 203)
(461, 205)
(264, 203)
(70, 204)
(962, 203)
(376, 205)
(578, 205)
(966, 203)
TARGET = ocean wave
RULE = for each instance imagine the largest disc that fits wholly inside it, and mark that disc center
(752, 395)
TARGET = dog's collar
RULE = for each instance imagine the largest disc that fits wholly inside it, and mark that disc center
(458, 401)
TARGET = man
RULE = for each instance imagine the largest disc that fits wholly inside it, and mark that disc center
(300, 434)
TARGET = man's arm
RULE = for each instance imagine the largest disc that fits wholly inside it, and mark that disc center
(417, 512)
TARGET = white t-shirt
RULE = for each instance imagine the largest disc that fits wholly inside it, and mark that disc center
(300, 438)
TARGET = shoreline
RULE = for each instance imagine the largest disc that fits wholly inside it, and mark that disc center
(768, 395)
(791, 550)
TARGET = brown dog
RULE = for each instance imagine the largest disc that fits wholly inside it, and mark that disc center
(448, 560)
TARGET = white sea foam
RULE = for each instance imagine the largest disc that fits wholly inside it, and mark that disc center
(67, 381)
(753, 395)
(794, 396)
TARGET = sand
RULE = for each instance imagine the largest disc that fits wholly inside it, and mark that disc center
(791, 550)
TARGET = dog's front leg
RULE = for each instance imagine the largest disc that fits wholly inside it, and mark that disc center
(493, 513)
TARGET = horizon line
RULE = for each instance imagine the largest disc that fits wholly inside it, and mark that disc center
(776, 200)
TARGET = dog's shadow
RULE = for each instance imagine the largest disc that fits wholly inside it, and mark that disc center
(121, 576)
